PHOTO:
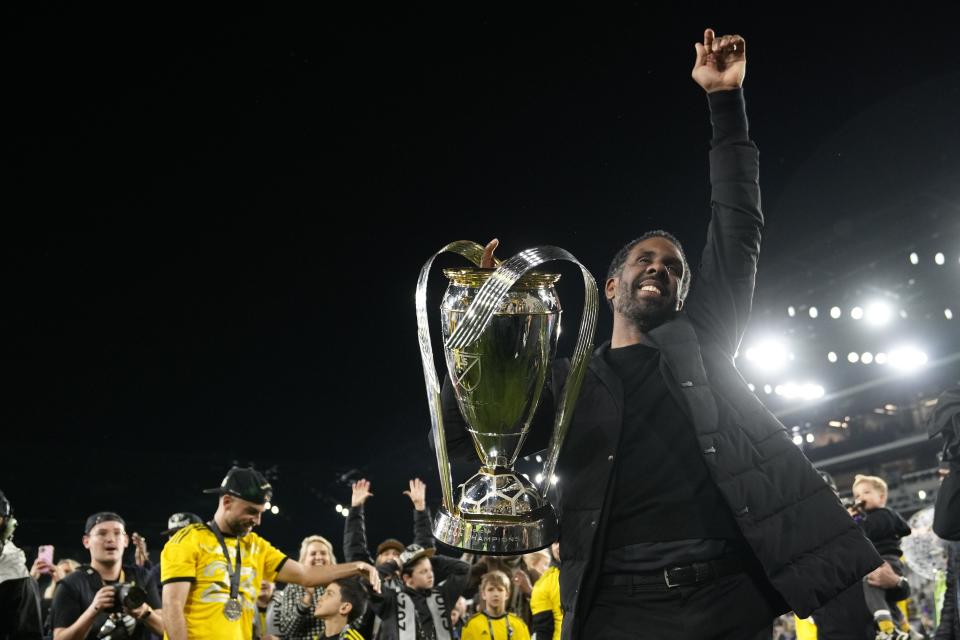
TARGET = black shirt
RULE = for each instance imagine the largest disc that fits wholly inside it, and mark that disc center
(884, 527)
(75, 593)
(662, 490)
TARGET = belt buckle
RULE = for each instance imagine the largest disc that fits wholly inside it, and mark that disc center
(666, 578)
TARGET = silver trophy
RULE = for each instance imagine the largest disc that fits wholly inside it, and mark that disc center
(500, 330)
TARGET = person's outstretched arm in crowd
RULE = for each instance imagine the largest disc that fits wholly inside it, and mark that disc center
(422, 527)
(355, 547)
(175, 593)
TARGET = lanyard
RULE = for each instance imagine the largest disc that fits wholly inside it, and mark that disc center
(506, 618)
(233, 572)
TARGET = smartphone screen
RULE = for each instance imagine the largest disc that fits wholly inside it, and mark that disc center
(45, 553)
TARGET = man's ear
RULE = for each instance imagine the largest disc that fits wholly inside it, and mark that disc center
(610, 289)
(86, 541)
(345, 609)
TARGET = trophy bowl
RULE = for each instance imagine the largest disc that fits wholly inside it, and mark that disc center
(498, 380)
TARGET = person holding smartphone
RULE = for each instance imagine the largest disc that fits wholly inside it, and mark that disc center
(19, 596)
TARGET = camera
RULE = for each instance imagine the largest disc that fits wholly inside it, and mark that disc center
(127, 595)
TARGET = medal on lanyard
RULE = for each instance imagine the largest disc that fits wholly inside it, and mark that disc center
(232, 609)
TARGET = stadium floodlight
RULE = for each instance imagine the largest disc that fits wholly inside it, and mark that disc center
(832, 356)
(939, 258)
(907, 358)
(275, 510)
(881, 358)
(810, 438)
(798, 439)
(853, 357)
(835, 312)
(914, 258)
(769, 355)
(813, 312)
(879, 313)
(791, 311)
(866, 357)
(856, 313)
(948, 314)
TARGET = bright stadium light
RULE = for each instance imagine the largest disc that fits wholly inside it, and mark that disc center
(832, 356)
(345, 512)
(798, 439)
(866, 357)
(881, 358)
(274, 509)
(339, 508)
(751, 386)
(853, 357)
(805, 391)
(538, 478)
(939, 258)
(791, 311)
(856, 313)
(914, 258)
(922, 494)
(767, 389)
(907, 358)
(879, 313)
(948, 314)
(266, 505)
(813, 312)
(770, 355)
(810, 438)
(835, 312)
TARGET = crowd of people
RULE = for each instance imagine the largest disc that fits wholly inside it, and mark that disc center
(394, 591)
(217, 578)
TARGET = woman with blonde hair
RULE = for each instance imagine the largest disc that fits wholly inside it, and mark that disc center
(295, 619)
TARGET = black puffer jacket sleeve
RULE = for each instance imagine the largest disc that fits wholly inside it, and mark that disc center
(355, 537)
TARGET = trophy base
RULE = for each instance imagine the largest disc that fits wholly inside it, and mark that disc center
(490, 535)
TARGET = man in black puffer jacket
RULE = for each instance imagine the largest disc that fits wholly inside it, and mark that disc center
(686, 509)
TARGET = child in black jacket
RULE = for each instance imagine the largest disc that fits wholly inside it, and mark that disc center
(884, 527)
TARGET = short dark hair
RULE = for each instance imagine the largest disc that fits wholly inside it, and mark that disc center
(616, 265)
(353, 591)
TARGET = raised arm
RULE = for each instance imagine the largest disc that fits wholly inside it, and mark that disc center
(723, 294)
(355, 547)
(422, 528)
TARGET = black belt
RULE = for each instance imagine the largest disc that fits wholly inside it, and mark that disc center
(676, 576)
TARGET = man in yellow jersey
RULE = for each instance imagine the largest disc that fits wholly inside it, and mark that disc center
(211, 572)
(494, 623)
(545, 600)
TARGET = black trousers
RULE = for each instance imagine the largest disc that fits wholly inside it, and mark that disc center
(734, 607)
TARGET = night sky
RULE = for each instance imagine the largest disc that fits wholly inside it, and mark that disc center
(215, 221)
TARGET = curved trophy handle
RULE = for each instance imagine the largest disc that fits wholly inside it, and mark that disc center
(474, 253)
(480, 312)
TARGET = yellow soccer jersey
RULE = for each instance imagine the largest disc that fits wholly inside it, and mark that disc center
(546, 597)
(194, 555)
(478, 628)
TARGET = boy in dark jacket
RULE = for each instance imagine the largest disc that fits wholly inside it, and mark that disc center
(884, 527)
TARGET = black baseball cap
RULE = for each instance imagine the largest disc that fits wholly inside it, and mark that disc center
(102, 516)
(245, 483)
(179, 520)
